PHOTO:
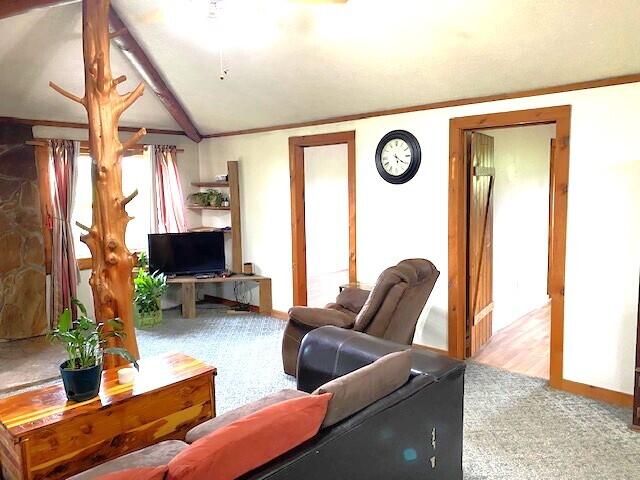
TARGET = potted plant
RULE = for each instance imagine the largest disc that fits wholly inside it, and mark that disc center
(149, 288)
(85, 342)
(208, 198)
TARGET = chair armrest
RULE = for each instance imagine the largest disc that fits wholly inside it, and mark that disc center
(319, 317)
(328, 353)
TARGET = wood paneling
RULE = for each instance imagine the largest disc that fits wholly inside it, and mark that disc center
(57, 438)
(296, 169)
(458, 173)
(131, 49)
(603, 82)
(82, 126)
(480, 242)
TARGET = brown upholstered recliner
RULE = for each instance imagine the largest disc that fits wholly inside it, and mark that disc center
(389, 311)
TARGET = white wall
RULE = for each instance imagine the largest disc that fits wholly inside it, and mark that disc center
(603, 223)
(520, 221)
(189, 170)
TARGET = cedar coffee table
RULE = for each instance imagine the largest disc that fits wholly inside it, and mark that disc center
(45, 436)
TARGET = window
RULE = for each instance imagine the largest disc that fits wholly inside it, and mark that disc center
(136, 173)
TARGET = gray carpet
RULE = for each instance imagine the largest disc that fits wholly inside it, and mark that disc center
(516, 428)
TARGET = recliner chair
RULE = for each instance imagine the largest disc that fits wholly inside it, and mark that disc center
(389, 311)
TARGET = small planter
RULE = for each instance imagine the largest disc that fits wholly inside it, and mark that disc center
(148, 319)
(82, 384)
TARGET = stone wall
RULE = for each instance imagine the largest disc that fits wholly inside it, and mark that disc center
(22, 270)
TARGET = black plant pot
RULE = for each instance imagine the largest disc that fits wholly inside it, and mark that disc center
(82, 384)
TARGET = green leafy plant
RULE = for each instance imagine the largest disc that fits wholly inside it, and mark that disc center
(143, 260)
(85, 340)
(149, 288)
(208, 198)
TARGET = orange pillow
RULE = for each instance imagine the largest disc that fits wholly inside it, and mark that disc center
(251, 441)
(142, 473)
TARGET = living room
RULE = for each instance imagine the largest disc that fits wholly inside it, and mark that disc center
(257, 97)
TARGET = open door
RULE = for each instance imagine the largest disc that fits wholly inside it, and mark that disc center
(480, 241)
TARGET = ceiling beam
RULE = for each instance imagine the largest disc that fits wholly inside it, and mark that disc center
(9, 8)
(145, 67)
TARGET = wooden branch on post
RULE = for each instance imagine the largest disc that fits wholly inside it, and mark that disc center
(69, 95)
(131, 142)
(128, 198)
(129, 98)
(119, 80)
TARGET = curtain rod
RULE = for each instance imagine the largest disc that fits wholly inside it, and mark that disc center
(44, 142)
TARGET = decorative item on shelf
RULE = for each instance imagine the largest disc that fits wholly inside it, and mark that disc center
(85, 342)
(247, 268)
(225, 201)
(149, 288)
(222, 178)
(208, 198)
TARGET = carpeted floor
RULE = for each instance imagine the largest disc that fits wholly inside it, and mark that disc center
(516, 428)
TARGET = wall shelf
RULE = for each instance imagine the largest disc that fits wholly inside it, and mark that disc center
(202, 207)
(233, 184)
(209, 184)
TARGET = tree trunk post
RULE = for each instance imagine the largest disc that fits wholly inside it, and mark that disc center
(112, 263)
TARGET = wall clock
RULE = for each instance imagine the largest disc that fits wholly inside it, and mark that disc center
(398, 156)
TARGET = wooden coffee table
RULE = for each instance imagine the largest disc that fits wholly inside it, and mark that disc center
(45, 436)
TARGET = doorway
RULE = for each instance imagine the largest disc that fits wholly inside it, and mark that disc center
(464, 252)
(508, 243)
(322, 169)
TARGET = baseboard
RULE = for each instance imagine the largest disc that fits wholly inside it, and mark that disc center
(279, 314)
(597, 393)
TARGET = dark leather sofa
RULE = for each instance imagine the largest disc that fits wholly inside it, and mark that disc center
(414, 433)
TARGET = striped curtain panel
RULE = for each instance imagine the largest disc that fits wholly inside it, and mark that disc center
(63, 159)
(169, 200)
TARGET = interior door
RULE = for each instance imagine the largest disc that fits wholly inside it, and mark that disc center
(480, 241)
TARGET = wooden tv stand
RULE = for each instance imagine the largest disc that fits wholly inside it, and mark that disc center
(189, 291)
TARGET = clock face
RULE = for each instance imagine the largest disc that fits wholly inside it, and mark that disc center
(398, 156)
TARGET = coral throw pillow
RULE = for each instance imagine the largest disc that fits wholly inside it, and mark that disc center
(251, 441)
(143, 473)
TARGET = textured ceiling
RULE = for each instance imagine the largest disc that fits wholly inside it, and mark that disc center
(46, 45)
(292, 62)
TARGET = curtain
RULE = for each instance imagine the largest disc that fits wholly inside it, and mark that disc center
(63, 160)
(169, 200)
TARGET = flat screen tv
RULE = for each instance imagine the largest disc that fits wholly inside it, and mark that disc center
(186, 253)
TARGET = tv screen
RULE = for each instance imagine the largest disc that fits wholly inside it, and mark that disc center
(186, 253)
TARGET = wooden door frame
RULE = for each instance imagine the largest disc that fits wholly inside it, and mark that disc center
(298, 233)
(458, 193)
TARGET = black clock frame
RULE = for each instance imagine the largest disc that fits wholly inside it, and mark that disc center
(414, 146)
